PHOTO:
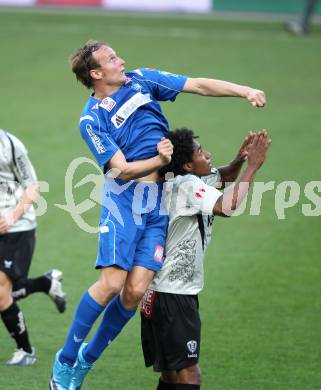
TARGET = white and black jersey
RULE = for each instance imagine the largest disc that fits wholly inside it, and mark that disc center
(16, 174)
(189, 201)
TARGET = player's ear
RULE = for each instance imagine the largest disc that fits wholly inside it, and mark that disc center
(95, 74)
(188, 167)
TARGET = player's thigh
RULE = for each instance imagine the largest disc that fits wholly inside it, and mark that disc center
(5, 283)
(5, 291)
(137, 282)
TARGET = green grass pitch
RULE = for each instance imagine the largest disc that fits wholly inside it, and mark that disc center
(261, 303)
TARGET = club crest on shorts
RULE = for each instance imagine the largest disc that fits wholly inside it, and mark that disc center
(192, 346)
(158, 254)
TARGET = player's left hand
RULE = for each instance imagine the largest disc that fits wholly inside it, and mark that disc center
(255, 97)
(243, 152)
(5, 223)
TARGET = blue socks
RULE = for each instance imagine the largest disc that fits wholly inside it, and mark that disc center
(115, 318)
(86, 314)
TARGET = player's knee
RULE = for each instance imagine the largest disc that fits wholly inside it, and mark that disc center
(190, 375)
(5, 298)
(132, 294)
(4, 279)
(109, 286)
(169, 376)
(194, 373)
(197, 374)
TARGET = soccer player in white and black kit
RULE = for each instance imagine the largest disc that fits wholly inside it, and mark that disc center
(171, 326)
(18, 190)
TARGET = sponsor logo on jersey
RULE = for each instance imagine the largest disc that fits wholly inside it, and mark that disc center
(119, 120)
(192, 347)
(95, 139)
(158, 254)
(200, 192)
(146, 307)
(108, 104)
(127, 109)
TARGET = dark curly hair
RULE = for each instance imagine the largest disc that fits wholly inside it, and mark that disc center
(184, 147)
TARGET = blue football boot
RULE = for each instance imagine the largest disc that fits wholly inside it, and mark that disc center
(61, 375)
(80, 370)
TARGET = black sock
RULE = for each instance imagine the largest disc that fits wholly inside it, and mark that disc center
(165, 386)
(185, 386)
(25, 287)
(15, 323)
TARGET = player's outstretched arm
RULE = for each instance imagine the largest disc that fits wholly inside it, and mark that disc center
(230, 172)
(256, 154)
(212, 87)
(132, 170)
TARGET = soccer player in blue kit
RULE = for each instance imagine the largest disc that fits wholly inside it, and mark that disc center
(124, 127)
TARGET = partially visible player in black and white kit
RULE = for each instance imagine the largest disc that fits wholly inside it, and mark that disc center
(170, 321)
(18, 190)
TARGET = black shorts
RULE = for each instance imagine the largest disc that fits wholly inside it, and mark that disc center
(170, 330)
(16, 250)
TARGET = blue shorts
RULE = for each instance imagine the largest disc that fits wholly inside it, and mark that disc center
(133, 225)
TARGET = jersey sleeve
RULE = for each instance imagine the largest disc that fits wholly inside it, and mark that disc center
(163, 85)
(196, 197)
(22, 166)
(99, 140)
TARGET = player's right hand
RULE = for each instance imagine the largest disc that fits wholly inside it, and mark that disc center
(256, 97)
(257, 150)
(5, 224)
(165, 150)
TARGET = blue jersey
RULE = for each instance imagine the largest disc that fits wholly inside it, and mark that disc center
(131, 119)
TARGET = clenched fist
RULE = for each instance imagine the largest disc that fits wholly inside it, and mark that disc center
(165, 150)
(255, 97)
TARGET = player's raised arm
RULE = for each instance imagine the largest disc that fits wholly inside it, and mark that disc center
(220, 88)
(230, 172)
(256, 154)
(132, 170)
